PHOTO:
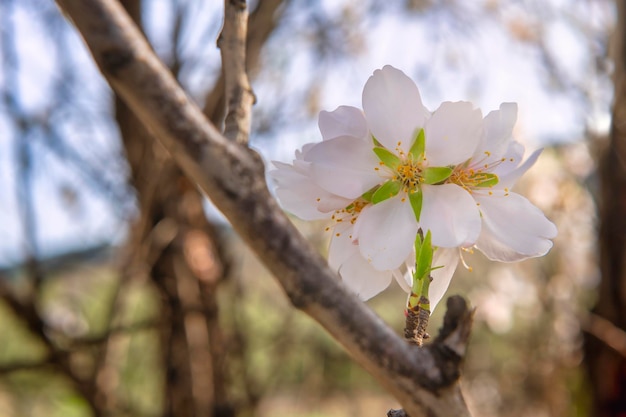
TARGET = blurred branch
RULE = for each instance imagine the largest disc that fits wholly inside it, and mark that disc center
(607, 332)
(238, 92)
(24, 126)
(57, 355)
(604, 364)
(59, 359)
(424, 380)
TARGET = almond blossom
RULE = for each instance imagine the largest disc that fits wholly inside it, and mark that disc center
(513, 228)
(383, 173)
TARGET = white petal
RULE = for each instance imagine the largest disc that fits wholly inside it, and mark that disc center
(448, 258)
(344, 121)
(498, 130)
(509, 179)
(453, 133)
(513, 228)
(386, 232)
(393, 108)
(344, 166)
(299, 195)
(404, 276)
(450, 213)
(305, 148)
(341, 247)
(362, 279)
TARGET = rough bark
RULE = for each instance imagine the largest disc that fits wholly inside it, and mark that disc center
(425, 380)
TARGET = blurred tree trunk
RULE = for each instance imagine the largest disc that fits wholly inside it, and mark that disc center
(606, 365)
(182, 254)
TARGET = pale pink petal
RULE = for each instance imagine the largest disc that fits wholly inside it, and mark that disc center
(448, 259)
(511, 159)
(344, 166)
(513, 228)
(362, 279)
(393, 108)
(344, 121)
(386, 232)
(450, 213)
(453, 133)
(498, 129)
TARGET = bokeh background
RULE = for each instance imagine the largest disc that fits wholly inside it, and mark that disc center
(124, 293)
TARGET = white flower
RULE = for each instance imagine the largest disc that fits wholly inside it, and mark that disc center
(513, 228)
(383, 173)
(303, 197)
(394, 115)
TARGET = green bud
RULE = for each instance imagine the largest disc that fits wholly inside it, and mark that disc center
(423, 257)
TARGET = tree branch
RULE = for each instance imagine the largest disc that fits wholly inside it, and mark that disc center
(607, 332)
(233, 177)
(261, 23)
(238, 93)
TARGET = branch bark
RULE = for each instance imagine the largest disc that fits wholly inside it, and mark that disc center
(238, 92)
(261, 23)
(424, 380)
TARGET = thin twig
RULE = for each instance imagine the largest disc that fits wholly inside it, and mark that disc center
(238, 92)
(606, 331)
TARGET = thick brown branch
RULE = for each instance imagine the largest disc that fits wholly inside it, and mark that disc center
(233, 177)
(239, 96)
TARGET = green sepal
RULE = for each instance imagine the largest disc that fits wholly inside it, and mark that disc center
(367, 196)
(419, 145)
(387, 157)
(376, 142)
(386, 191)
(435, 175)
(485, 179)
(415, 198)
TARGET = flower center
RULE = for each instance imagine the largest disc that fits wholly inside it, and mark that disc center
(476, 175)
(349, 213)
(409, 173)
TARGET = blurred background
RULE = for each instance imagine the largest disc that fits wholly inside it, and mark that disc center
(124, 293)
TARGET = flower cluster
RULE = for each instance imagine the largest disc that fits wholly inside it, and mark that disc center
(383, 173)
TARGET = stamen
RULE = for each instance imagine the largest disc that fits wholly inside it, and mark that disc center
(469, 268)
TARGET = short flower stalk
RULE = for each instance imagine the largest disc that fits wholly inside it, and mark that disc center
(418, 304)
